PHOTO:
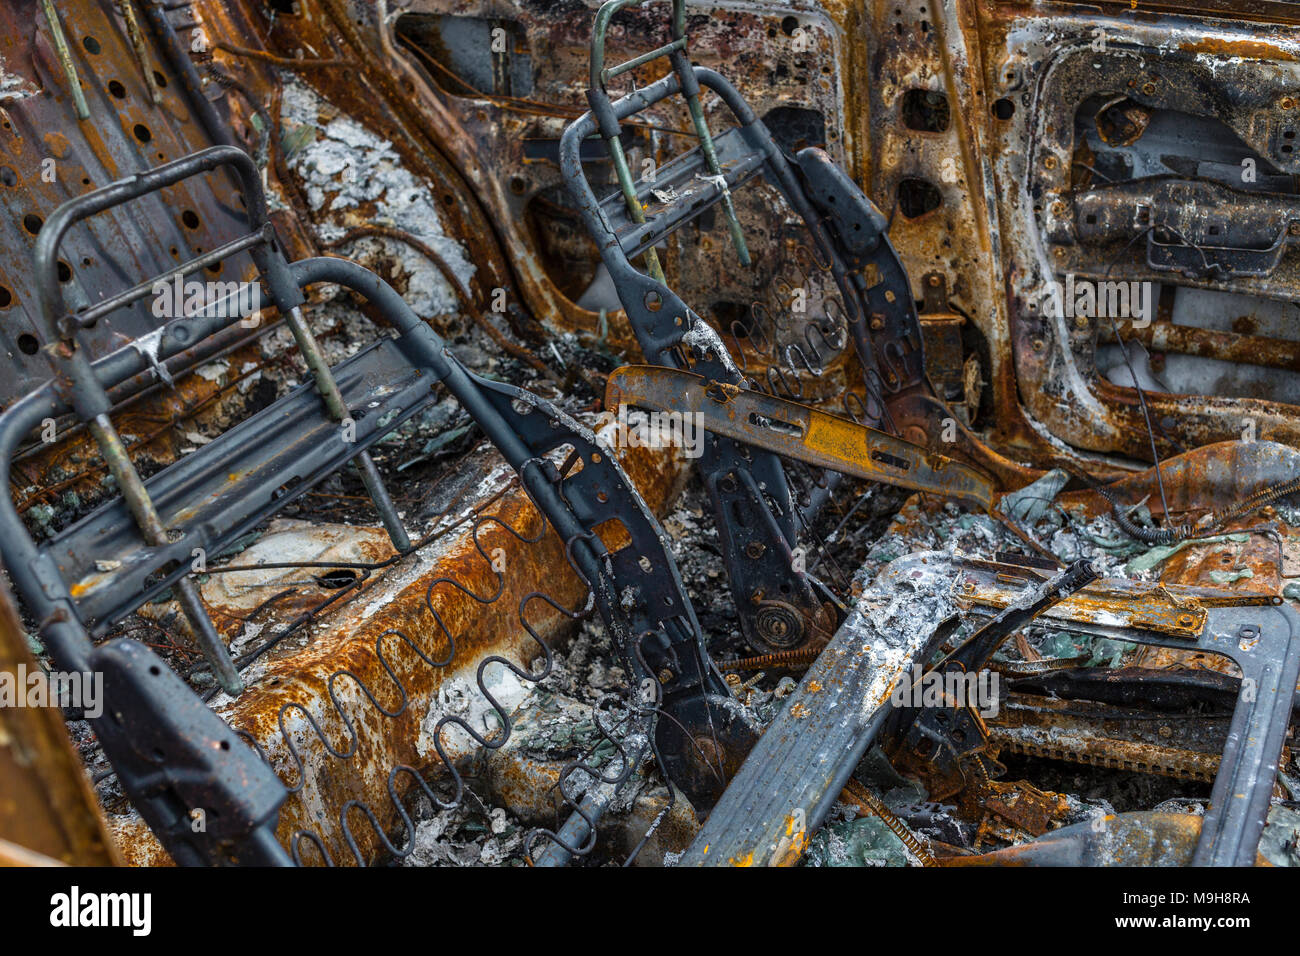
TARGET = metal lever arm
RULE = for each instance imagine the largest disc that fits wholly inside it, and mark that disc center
(798, 431)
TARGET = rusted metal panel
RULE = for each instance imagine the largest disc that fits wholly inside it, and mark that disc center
(51, 156)
(47, 809)
(435, 601)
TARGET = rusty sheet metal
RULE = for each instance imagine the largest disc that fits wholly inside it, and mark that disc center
(360, 638)
(485, 152)
(47, 810)
(1211, 478)
(1170, 610)
(488, 138)
(1038, 67)
(352, 69)
(1081, 732)
(50, 156)
(485, 155)
(952, 175)
(927, 169)
(142, 112)
(1200, 482)
(493, 141)
(1142, 838)
(767, 814)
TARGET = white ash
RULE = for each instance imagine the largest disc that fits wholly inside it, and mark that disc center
(586, 669)
(465, 836)
(462, 700)
(346, 169)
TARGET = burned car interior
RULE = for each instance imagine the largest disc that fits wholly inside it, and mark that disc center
(650, 433)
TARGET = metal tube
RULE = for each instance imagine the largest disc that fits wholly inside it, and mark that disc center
(146, 516)
(1255, 350)
(136, 292)
(141, 51)
(65, 58)
(634, 209)
(691, 90)
(632, 64)
(338, 409)
(383, 503)
(178, 58)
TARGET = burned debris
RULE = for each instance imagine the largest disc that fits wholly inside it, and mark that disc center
(540, 434)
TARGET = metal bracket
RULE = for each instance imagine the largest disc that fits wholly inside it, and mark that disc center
(797, 431)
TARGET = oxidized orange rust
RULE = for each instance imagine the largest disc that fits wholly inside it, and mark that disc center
(1055, 729)
(48, 813)
(346, 639)
(1210, 343)
(74, 465)
(1127, 839)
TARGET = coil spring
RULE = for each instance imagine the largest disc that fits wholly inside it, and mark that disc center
(382, 642)
(1172, 534)
(860, 794)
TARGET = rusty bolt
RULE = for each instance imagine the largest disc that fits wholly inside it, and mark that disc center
(1038, 345)
(665, 675)
(1059, 252)
(1058, 208)
(755, 549)
(1149, 89)
(1294, 229)
(877, 321)
(1286, 103)
(1049, 161)
(1166, 731)
(933, 279)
